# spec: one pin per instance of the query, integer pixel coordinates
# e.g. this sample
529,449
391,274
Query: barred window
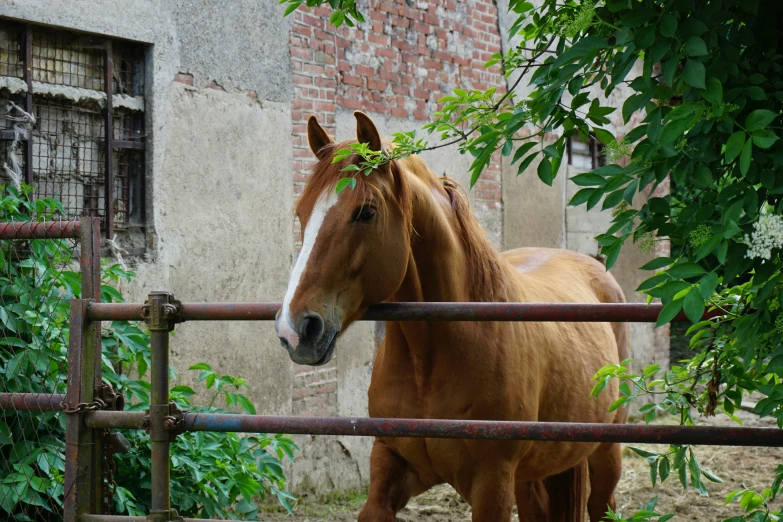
72,121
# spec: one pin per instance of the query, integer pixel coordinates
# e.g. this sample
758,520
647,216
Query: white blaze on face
321,208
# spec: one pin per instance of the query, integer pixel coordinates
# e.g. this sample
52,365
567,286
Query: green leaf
759,119
522,150
711,476
246,405
694,74
695,46
658,262
764,139
708,284
201,366
605,136
588,179
345,183
714,92
663,468
582,196
545,173
337,18
526,163
734,145
674,130
668,25
685,270
669,312
746,156
694,306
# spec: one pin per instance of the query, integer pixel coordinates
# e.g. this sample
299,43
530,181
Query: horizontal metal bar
128,144
31,401
40,230
572,312
119,518
457,429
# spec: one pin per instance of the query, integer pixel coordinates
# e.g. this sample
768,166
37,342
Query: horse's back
563,276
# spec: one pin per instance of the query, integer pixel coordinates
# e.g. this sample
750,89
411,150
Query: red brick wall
407,55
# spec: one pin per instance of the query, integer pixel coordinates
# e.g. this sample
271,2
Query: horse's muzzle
310,341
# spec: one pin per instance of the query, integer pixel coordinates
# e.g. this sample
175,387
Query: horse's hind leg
532,501
391,485
606,468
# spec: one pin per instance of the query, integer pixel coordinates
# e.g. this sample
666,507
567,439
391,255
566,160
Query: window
86,146
585,155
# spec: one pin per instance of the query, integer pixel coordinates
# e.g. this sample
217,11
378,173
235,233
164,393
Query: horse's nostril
312,328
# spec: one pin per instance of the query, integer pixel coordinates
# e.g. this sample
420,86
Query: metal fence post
79,438
90,267
160,311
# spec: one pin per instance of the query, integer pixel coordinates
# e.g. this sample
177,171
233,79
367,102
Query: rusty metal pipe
578,312
119,518
40,230
458,429
31,401
159,406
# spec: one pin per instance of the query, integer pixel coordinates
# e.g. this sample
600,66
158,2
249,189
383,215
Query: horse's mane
488,276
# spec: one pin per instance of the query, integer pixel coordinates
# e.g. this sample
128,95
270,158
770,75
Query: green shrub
213,474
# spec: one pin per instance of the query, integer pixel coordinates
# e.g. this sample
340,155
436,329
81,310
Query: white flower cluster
768,234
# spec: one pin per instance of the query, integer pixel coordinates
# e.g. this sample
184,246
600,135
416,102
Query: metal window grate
69,157
64,58
86,149
11,63
128,125
128,70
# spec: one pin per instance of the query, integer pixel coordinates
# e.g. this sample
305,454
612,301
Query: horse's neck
438,267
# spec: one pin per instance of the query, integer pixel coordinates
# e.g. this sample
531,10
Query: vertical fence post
79,439
160,311
90,265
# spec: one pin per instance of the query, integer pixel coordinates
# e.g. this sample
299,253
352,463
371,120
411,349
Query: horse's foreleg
606,468
492,494
391,485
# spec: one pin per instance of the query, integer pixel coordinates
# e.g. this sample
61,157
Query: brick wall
407,55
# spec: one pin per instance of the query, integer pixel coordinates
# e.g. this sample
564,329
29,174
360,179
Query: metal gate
91,417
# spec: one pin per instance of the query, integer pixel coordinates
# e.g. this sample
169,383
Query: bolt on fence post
79,438
161,312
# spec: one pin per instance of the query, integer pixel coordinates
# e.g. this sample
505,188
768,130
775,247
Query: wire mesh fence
40,273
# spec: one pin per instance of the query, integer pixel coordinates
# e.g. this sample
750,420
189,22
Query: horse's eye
364,214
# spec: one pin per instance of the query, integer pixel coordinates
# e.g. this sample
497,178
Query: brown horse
403,234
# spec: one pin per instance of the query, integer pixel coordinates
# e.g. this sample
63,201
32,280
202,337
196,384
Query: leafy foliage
706,107
217,475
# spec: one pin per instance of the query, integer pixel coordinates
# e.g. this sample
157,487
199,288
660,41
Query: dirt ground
738,467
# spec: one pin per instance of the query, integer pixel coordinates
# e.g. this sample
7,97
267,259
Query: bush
214,475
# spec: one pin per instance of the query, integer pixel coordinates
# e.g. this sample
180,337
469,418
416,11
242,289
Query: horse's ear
317,137
366,131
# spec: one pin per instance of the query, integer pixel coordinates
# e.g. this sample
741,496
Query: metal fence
43,266
90,416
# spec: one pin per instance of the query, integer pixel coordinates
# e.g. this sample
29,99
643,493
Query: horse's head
355,247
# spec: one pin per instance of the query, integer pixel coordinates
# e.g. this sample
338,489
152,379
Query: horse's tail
567,493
